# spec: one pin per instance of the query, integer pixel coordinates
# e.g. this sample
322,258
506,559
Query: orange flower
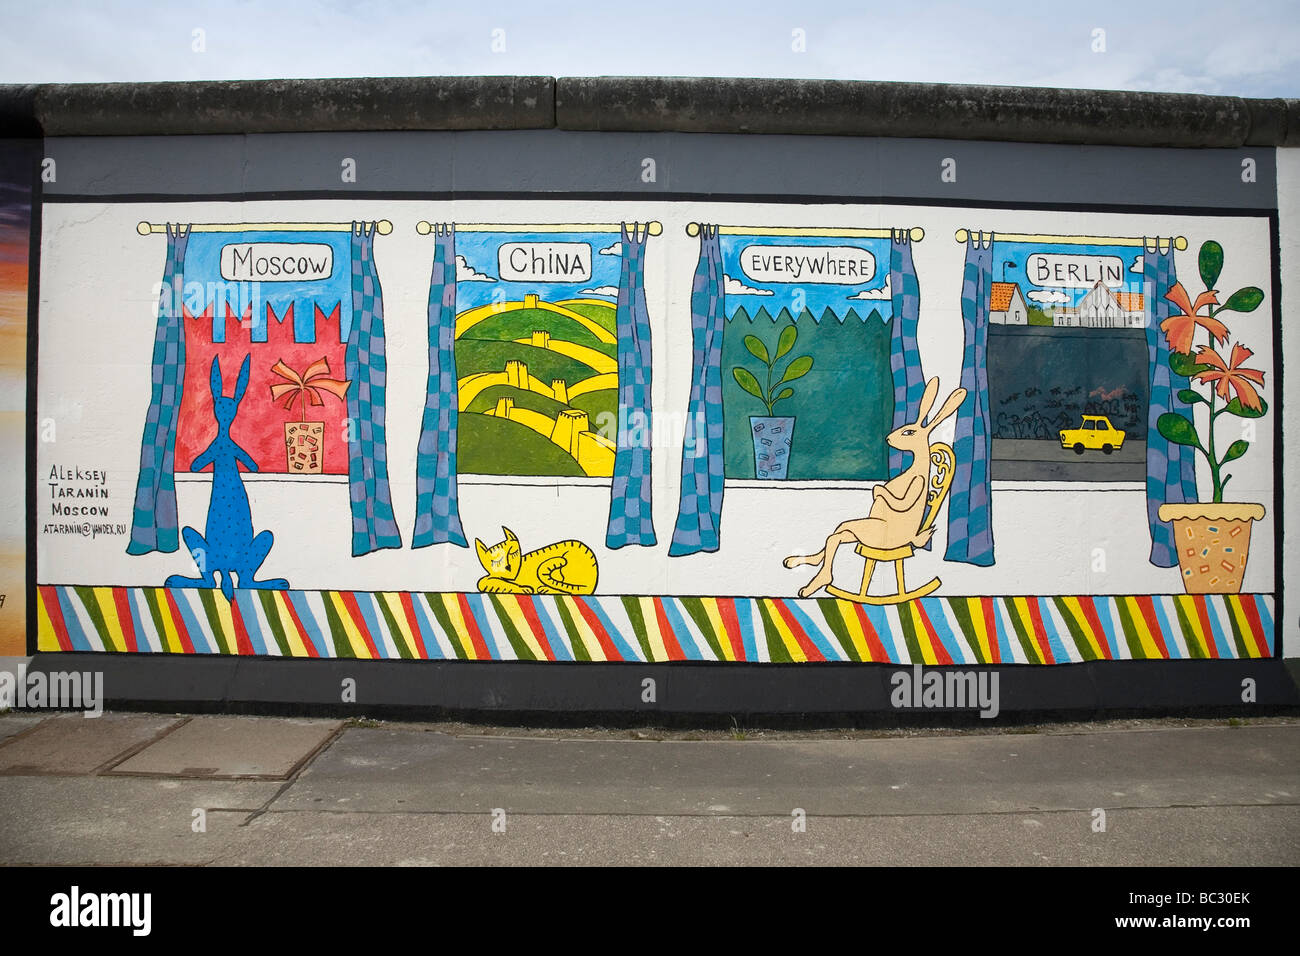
1179,329
1224,376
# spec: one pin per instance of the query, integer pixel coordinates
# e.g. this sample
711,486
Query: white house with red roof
1007,305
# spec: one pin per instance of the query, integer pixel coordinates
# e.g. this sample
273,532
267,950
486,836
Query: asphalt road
130,788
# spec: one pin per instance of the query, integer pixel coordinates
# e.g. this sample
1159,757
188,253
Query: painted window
806,380
284,299
1082,352
536,350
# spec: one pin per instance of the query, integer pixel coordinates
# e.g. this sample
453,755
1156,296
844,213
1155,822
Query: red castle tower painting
260,427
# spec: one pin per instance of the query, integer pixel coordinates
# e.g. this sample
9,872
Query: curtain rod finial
423,227
1180,243
962,235
383,227
917,233
144,228
654,227
692,229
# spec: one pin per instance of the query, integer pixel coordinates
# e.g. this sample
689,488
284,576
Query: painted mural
17,162
549,437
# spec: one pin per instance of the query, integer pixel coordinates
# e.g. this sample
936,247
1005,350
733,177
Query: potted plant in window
1212,537
772,433
304,441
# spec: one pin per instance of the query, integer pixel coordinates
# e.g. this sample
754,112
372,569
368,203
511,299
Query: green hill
597,403
521,323
473,355
523,398
497,446
606,316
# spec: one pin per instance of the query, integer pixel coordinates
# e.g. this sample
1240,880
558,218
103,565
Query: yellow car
1097,432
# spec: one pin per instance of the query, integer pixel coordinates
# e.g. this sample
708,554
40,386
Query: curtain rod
916,232
383,227
653,228
1180,242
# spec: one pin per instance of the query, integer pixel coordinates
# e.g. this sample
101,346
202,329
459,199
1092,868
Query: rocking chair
942,463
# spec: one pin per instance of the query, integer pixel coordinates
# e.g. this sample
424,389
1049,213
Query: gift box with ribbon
304,441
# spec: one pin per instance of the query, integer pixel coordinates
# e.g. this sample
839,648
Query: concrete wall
1075,187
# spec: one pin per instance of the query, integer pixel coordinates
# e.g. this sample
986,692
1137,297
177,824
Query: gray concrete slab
1227,836
385,771
12,723
233,747
74,744
101,819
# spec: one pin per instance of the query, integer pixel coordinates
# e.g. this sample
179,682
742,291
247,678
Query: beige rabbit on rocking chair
898,518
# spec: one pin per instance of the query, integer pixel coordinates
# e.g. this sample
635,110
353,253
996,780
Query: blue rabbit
228,544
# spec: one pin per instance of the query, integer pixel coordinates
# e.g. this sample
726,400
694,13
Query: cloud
1137,265
732,286
615,250
875,294
1047,297
465,272
605,290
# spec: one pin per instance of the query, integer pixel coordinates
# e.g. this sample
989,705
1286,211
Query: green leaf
797,369
785,393
757,349
786,342
1211,263
1190,396
1235,407
1177,429
1235,451
746,380
1243,300
1185,365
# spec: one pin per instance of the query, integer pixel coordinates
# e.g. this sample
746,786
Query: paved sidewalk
154,789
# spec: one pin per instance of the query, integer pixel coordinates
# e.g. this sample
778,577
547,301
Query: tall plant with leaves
796,368
1232,386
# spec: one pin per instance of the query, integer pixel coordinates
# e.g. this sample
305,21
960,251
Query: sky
774,290
1241,48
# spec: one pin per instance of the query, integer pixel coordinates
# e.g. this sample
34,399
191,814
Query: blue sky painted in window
203,265
479,276
1011,264
744,289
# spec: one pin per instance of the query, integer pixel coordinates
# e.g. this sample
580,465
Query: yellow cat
566,567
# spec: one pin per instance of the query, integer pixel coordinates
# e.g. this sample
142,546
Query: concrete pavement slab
1220,836
378,770
266,747
73,744
11,724
129,820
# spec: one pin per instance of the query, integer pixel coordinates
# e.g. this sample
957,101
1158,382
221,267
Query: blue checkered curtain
970,508
904,356
153,522
699,512
630,518
1171,468
437,511
373,525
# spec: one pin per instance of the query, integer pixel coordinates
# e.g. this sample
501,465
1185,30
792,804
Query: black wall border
686,693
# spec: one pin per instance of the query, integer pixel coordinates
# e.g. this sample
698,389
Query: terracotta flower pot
1213,542
304,444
